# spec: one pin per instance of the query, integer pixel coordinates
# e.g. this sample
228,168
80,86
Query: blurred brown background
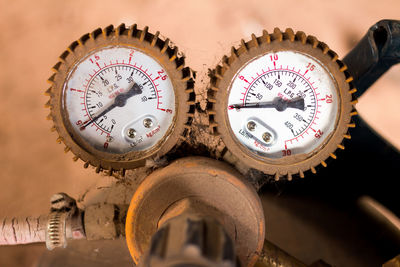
34,33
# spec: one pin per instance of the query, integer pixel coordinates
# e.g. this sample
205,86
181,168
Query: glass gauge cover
282,103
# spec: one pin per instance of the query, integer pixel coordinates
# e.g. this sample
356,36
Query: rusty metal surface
232,201
273,256
190,239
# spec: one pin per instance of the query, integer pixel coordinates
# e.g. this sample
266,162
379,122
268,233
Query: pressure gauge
120,96
282,103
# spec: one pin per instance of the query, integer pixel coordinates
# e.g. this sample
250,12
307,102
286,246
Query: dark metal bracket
377,51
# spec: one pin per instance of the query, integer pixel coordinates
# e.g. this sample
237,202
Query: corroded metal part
161,50
203,187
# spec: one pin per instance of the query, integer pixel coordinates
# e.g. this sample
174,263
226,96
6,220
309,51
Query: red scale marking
98,65
311,84
111,64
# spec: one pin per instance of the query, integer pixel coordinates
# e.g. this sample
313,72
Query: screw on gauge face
251,125
267,137
109,138
131,133
147,123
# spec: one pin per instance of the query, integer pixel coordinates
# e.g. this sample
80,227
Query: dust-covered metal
190,240
120,96
282,103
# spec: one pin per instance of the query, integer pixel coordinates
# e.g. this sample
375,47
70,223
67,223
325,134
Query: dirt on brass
34,33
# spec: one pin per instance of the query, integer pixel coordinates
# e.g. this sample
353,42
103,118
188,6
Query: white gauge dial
282,104
119,100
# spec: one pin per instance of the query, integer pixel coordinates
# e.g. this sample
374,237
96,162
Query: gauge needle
278,103
119,101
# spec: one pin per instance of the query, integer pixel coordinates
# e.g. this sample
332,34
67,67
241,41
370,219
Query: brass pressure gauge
120,96
282,103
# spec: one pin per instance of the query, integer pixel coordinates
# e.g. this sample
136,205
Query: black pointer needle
278,103
119,101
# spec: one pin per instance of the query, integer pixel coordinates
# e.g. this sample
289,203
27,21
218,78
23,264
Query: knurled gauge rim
161,50
220,81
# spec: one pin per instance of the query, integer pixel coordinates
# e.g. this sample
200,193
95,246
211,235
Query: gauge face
282,104
118,100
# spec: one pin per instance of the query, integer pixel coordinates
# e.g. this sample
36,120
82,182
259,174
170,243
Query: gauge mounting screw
147,123
267,137
251,125
131,133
